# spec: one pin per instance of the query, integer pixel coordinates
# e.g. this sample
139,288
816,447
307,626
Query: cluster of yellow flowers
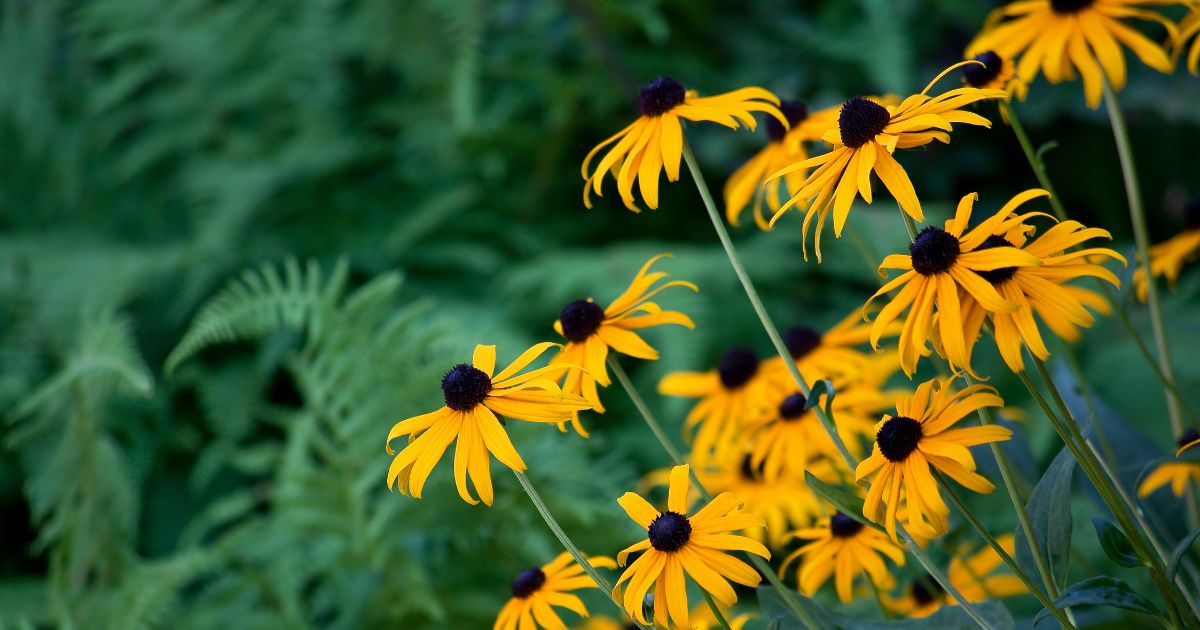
757,431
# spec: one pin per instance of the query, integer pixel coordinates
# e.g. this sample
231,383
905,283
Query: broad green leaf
1115,544
1180,551
1101,590
1050,515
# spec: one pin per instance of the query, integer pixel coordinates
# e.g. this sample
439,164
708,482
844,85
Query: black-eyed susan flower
786,438
975,578
591,331
993,72
474,398
654,142
943,264
784,146
842,548
1177,472
1064,39
864,139
1042,291
730,395
784,502
678,546
916,440
1168,258
702,618
1189,28
832,355
538,590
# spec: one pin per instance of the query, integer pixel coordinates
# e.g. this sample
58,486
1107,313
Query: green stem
1141,236
1110,455
1039,168
1046,600
765,569
715,610
566,540
940,577
752,294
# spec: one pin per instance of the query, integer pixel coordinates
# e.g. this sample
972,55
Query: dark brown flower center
465,386
1187,437
660,96
737,367
898,437
934,251
979,76
861,120
801,340
669,531
749,471
1191,215
580,319
1003,274
1070,6
842,526
792,407
793,111
926,591
528,582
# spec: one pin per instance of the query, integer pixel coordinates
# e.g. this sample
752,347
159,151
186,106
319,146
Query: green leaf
1179,552
1050,515
994,614
1101,590
1115,544
823,386
839,497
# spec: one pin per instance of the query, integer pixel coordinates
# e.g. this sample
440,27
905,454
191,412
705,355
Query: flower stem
765,569
1040,594
752,294
715,610
1141,236
1035,163
826,422
566,540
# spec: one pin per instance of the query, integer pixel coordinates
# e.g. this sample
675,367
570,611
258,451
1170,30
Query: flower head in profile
864,139
784,502
919,439
591,331
679,546
475,395
1044,292
654,142
1065,39
943,266
1178,472
1189,28
1168,258
729,394
785,145
537,590
993,72
842,548
973,576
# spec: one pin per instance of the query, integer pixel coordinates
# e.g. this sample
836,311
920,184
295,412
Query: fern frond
262,301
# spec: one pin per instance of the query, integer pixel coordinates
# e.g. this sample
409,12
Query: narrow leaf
839,497
1179,552
1115,544
1101,590
1049,510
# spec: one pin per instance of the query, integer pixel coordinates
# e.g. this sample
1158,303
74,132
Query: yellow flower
787,437
591,331
994,72
702,618
474,397
1167,258
1188,28
832,355
843,548
536,590
917,438
864,139
785,146
678,546
941,262
654,142
972,578
1064,37
784,502
729,396
1042,291
1177,473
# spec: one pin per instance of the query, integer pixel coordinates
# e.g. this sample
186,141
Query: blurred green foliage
378,185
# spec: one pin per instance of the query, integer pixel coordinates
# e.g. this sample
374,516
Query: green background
150,152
